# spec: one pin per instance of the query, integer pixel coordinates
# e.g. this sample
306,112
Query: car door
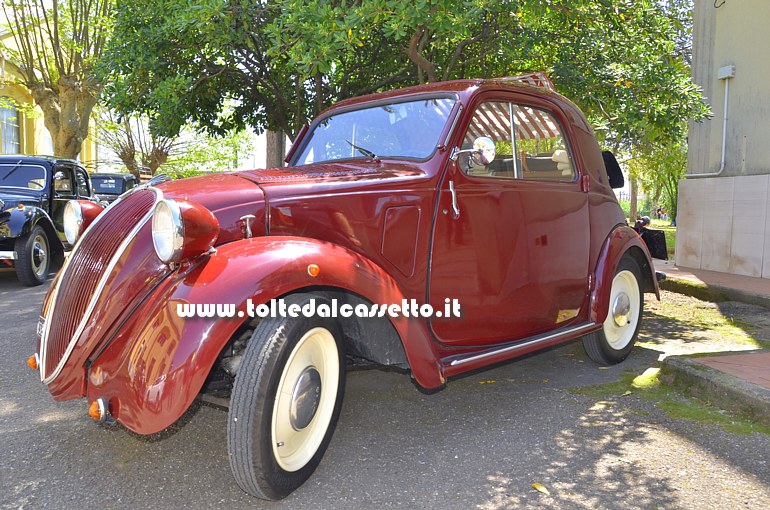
511,235
64,188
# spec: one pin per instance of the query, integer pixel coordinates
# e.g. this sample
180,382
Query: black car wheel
613,343
285,402
33,258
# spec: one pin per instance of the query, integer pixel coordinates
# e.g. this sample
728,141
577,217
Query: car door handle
455,207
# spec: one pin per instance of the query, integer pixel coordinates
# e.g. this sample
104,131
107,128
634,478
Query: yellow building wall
32,130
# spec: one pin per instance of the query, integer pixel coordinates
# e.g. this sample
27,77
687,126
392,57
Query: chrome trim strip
516,347
7,255
97,292
454,125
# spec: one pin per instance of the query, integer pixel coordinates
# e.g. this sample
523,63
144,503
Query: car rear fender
156,365
622,241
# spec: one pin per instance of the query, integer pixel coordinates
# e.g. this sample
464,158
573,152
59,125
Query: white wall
724,221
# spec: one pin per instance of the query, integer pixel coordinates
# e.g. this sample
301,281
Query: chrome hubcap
39,254
621,309
305,398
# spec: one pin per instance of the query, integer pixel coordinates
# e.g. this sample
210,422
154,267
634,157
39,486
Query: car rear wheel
613,343
285,402
33,258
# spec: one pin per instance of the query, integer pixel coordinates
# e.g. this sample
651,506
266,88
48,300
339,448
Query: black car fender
22,220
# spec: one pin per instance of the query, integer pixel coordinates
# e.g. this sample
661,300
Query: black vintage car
108,187
33,193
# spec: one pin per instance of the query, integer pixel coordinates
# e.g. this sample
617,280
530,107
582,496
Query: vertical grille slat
85,270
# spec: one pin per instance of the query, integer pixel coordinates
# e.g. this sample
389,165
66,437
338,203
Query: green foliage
659,169
225,64
202,154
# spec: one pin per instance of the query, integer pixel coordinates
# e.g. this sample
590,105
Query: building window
9,129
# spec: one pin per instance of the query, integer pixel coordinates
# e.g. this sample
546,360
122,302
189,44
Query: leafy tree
131,141
281,62
56,46
129,138
203,154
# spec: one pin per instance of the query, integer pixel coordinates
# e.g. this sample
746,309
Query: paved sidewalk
734,287
737,382
753,367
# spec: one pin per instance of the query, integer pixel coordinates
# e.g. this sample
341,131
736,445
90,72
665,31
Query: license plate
40,327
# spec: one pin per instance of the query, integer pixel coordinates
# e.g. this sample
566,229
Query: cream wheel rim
305,399
620,324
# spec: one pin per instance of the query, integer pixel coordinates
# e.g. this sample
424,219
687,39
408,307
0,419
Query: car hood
361,170
228,196
11,197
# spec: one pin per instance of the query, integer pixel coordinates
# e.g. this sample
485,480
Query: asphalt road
480,443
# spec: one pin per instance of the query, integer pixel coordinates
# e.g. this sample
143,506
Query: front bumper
7,255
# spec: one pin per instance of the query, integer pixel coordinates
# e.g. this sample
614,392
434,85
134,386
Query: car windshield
18,175
397,130
107,184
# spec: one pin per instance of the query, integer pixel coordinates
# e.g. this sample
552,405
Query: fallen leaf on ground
539,487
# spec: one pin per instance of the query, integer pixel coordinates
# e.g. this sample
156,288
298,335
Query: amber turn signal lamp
32,362
95,411
313,270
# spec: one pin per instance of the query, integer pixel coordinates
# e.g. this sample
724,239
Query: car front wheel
33,258
613,343
285,402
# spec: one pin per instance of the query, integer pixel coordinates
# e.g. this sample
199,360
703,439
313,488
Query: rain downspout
724,73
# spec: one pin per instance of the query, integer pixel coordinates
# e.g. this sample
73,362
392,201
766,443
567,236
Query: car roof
34,159
460,87
121,175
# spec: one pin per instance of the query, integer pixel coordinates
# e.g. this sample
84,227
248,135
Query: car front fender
21,221
621,241
151,371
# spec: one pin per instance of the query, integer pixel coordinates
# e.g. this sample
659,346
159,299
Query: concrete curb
722,390
713,293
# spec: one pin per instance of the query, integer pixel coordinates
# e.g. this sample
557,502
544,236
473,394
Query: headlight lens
182,230
73,221
167,231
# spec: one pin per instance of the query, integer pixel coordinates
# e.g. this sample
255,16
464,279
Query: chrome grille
86,270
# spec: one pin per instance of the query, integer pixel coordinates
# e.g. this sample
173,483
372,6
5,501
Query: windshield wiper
365,152
12,170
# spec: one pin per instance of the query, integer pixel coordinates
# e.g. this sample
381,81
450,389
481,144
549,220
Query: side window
82,183
529,143
63,185
542,146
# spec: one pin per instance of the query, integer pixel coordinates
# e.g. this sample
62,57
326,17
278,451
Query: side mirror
482,153
485,150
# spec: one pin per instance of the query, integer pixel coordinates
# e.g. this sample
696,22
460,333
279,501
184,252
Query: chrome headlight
73,221
167,231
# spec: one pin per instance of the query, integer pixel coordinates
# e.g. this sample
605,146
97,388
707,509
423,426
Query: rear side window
82,183
529,142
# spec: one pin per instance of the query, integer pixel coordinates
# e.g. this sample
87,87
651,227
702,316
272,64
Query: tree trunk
276,149
65,114
634,190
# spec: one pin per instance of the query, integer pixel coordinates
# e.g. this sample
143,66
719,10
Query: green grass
708,321
648,386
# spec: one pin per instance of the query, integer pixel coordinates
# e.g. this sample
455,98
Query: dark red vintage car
487,197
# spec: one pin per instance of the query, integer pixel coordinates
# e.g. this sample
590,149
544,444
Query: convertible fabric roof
493,119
